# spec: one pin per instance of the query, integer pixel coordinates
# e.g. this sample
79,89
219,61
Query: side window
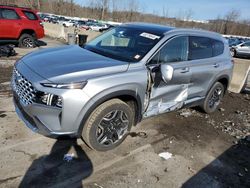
175,50
30,15
247,44
200,48
218,47
9,14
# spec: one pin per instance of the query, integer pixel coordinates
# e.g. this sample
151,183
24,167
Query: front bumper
29,115
48,120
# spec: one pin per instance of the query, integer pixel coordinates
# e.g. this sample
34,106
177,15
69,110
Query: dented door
168,93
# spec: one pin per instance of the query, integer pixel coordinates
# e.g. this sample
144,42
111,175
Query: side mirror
242,45
167,72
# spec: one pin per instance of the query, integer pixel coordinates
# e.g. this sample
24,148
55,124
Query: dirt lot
207,151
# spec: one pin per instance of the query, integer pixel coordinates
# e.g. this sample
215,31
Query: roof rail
15,6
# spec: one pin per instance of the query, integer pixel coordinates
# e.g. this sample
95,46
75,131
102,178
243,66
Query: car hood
71,64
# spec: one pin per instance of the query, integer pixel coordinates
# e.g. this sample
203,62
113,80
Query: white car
97,27
67,23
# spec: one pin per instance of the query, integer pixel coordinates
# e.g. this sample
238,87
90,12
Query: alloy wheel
112,127
28,43
214,100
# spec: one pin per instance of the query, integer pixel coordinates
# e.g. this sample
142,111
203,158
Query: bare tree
133,7
229,18
104,4
164,12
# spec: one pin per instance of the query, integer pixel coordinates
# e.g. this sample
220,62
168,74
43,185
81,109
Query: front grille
23,88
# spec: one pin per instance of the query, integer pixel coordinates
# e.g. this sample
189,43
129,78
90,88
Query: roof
162,29
149,27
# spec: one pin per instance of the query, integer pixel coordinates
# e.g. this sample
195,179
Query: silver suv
131,72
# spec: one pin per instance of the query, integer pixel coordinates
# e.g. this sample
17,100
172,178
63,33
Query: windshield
124,43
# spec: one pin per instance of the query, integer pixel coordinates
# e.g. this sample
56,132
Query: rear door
10,23
168,96
205,64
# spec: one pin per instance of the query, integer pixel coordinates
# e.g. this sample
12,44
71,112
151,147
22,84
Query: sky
200,9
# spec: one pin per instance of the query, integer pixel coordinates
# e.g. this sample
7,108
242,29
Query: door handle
216,65
184,70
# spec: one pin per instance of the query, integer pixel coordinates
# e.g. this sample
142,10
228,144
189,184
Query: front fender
106,95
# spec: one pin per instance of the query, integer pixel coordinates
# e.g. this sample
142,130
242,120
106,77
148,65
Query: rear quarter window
30,15
218,47
200,48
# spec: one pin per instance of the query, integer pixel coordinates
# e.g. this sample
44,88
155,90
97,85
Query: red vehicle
20,25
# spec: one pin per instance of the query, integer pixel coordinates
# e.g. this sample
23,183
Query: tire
213,98
108,125
26,41
233,52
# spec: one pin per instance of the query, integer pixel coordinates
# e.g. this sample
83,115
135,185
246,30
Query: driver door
170,77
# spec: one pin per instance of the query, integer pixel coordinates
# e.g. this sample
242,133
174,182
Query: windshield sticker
149,36
137,56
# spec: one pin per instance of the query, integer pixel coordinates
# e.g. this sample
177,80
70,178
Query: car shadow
231,169
54,170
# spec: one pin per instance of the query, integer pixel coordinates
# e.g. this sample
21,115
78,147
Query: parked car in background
82,24
67,23
130,72
242,49
109,26
51,19
20,25
234,42
97,26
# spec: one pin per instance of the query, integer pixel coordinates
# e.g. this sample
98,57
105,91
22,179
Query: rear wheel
108,125
213,98
26,41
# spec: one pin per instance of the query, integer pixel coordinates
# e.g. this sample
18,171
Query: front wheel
213,98
108,125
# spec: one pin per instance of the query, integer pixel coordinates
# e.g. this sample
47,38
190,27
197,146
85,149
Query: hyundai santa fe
131,72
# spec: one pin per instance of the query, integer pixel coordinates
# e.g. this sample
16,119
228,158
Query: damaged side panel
168,89
161,103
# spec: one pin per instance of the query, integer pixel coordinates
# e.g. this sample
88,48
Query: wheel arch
124,95
28,31
223,79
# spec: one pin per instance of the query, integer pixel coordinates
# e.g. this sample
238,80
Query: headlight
78,85
49,99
